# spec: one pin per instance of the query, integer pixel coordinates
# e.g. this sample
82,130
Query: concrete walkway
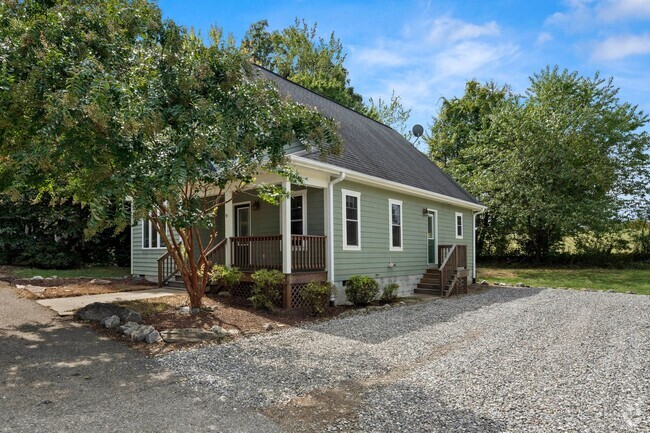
67,306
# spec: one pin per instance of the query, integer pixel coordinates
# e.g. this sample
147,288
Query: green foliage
316,63
317,295
111,102
229,277
267,289
50,234
361,290
389,293
567,158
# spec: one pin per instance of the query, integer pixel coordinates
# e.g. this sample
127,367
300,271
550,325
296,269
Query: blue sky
425,50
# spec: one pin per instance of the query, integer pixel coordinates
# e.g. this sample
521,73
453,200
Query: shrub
317,294
228,277
361,290
266,289
389,293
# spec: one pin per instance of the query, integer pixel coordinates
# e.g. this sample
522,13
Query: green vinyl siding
375,255
144,260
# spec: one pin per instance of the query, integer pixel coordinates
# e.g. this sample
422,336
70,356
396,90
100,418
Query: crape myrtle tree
566,158
104,101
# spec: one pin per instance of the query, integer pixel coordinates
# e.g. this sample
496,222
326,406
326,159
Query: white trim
330,225
391,202
383,183
303,193
462,225
151,231
435,236
474,243
285,216
236,216
344,240
132,240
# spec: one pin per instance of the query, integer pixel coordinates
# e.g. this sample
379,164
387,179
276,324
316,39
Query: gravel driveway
500,360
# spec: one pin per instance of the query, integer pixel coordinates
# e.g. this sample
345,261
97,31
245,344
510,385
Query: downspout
474,214
330,225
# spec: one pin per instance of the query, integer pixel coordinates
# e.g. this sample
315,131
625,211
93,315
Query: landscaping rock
34,289
110,322
142,332
184,310
96,311
154,337
219,331
37,278
187,335
100,282
519,285
224,294
267,327
484,283
195,310
630,292
610,291
210,308
129,328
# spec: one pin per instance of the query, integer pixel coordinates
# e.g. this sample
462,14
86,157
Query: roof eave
382,183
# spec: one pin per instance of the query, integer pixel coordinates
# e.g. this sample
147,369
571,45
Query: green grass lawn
619,280
93,272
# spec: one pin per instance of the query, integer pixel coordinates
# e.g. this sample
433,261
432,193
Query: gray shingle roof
370,147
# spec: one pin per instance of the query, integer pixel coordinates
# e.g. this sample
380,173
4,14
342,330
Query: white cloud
379,57
468,58
619,47
544,37
453,30
430,59
615,10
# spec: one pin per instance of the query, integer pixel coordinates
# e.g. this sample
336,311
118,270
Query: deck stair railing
167,268
455,259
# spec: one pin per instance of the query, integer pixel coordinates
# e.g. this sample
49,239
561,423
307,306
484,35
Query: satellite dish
418,130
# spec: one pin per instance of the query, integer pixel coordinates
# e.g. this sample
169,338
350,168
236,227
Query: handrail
167,268
456,258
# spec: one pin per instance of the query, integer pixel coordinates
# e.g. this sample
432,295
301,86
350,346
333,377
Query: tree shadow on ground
59,374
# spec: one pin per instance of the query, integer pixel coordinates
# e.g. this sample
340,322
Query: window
395,228
459,225
299,213
351,220
150,238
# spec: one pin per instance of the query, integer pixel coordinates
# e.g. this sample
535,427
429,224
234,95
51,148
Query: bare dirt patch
67,288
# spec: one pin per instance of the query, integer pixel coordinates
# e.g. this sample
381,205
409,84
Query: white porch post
229,225
285,218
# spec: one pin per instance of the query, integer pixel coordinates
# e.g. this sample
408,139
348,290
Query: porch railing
265,252
256,252
307,253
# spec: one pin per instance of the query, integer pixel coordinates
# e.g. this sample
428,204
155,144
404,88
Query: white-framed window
395,225
459,225
351,219
299,212
150,237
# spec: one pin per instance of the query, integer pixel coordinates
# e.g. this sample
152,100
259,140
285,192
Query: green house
380,208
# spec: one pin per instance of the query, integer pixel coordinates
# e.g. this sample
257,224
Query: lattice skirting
242,290
245,290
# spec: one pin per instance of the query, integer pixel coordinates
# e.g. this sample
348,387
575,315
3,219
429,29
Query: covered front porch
253,234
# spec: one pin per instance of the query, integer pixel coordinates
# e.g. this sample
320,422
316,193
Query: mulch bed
230,313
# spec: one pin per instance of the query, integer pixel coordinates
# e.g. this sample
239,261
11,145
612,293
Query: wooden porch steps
430,283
